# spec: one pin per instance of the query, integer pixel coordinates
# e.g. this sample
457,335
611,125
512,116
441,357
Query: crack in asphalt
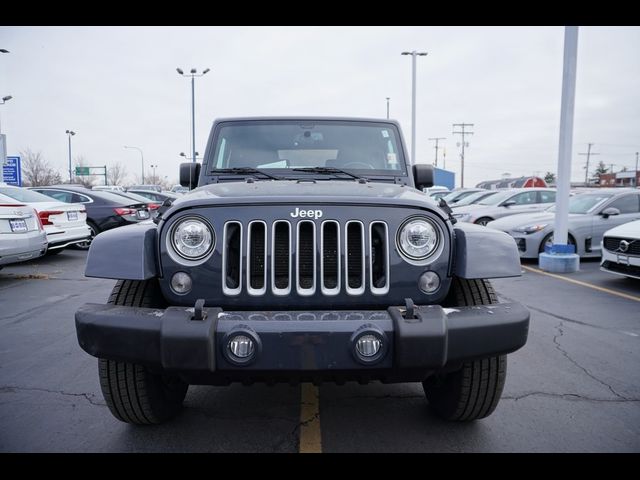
587,372
87,396
25,314
292,436
555,315
569,396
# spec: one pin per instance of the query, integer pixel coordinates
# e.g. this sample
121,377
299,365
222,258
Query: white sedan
621,250
65,223
21,234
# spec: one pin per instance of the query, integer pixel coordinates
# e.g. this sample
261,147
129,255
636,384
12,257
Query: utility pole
462,132
636,182
388,98
437,139
588,154
444,158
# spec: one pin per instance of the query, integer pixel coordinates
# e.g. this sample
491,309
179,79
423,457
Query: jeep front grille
305,257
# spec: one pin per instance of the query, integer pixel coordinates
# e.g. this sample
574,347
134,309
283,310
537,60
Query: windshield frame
594,207
402,175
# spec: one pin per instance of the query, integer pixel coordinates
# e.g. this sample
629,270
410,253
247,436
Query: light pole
193,74
141,158
413,54
4,100
70,133
154,173
388,98
182,154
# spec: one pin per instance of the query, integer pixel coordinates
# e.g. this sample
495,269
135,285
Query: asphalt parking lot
575,386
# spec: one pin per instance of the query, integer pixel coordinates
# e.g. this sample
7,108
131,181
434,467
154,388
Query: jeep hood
307,191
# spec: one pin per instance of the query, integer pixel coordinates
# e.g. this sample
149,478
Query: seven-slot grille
613,245
305,257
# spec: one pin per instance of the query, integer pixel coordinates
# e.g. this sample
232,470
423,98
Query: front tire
132,392
473,391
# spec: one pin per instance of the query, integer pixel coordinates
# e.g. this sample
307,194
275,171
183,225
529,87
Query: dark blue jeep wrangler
307,253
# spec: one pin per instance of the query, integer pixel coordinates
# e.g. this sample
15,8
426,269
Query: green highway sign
82,171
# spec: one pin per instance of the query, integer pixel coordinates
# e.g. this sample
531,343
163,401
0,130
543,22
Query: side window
58,195
77,198
627,204
526,198
547,197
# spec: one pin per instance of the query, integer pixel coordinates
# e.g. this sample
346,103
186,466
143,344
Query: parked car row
48,219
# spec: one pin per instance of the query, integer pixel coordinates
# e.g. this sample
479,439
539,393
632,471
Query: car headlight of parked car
418,238
528,229
192,238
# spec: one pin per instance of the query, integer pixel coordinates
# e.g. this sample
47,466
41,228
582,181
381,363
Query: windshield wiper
244,171
328,170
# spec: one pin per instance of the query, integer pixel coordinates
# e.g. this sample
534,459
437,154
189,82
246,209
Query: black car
105,210
153,195
152,205
308,253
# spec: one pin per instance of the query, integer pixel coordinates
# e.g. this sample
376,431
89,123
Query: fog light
241,347
429,282
181,283
368,345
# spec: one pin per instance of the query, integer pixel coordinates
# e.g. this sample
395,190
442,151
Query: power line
462,133
437,139
588,154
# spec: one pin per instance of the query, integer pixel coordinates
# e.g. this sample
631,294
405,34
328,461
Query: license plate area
142,214
18,225
72,216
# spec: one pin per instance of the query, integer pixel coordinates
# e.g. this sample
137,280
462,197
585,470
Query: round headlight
418,238
192,239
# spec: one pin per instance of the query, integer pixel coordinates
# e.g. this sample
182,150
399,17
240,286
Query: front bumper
301,342
620,263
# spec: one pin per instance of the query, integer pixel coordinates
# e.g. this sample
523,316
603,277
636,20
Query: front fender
124,253
483,252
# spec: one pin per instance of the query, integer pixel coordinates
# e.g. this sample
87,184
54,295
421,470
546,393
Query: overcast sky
118,86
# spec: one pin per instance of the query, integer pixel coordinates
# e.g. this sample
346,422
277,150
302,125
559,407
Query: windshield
584,203
24,195
497,198
473,198
366,148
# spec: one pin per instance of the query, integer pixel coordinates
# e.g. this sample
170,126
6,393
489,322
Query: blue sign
12,172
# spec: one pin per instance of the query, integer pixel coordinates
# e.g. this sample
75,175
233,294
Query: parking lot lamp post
70,133
413,54
193,74
141,158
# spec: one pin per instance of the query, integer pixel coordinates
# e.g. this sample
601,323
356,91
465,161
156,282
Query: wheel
133,393
473,391
483,221
548,240
94,231
55,251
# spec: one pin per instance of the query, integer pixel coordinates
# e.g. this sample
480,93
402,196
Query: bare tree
36,171
116,173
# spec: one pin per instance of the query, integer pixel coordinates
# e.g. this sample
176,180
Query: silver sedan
506,203
590,215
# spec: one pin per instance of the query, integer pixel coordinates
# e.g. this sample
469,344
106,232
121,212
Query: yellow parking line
310,438
584,284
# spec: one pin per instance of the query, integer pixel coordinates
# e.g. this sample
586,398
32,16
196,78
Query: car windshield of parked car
362,147
473,198
497,198
585,202
24,195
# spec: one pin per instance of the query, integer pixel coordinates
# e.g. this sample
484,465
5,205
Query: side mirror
423,176
607,212
509,203
189,173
